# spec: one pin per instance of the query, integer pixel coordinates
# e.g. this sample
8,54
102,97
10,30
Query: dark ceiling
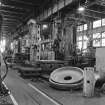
16,12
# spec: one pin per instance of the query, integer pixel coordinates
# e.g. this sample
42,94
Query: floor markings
13,99
11,96
45,95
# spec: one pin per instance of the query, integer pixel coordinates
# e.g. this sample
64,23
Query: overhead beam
13,7
7,27
17,18
75,20
89,16
97,13
19,5
100,2
90,4
11,19
5,22
94,14
12,16
26,3
57,6
78,18
8,13
9,24
13,12
6,30
13,22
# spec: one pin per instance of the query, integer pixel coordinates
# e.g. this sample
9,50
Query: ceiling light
45,26
81,9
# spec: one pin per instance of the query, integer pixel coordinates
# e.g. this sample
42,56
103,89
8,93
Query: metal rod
95,11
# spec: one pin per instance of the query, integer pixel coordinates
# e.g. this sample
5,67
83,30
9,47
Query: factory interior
52,52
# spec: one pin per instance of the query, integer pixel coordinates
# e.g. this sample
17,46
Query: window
85,26
97,24
82,41
85,37
79,38
84,44
103,35
96,43
103,42
82,27
79,41
103,39
78,29
103,22
97,35
79,44
97,39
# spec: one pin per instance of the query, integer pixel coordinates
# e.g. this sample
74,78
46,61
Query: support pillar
89,34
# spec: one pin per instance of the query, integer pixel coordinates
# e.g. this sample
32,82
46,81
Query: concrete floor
23,93
27,92
70,97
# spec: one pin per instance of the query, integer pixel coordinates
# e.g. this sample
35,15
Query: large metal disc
67,77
